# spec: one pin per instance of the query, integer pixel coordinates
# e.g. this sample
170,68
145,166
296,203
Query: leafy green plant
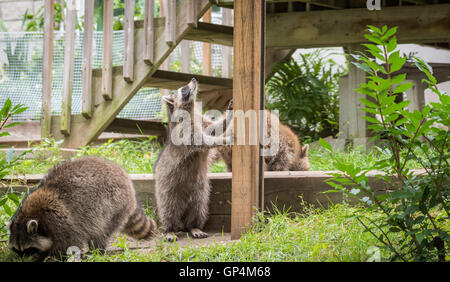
415,210
10,158
306,95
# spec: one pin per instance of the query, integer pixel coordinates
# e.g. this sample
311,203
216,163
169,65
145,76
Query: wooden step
211,33
173,80
146,127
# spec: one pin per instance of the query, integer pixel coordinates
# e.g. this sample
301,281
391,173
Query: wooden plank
216,99
275,56
247,83
108,16
191,19
149,37
211,33
69,56
171,18
128,27
105,112
333,4
207,48
47,66
128,126
88,35
341,27
226,51
174,80
185,56
282,189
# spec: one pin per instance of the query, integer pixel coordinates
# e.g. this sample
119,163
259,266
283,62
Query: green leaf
392,45
14,198
9,155
403,87
398,78
371,119
363,67
7,210
374,29
325,145
368,103
389,33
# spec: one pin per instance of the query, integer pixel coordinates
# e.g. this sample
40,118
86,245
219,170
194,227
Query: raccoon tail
139,226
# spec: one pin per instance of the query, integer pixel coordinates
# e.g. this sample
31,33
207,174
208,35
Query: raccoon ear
8,224
305,151
168,99
32,226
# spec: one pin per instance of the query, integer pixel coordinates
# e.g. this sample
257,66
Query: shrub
414,225
306,95
9,159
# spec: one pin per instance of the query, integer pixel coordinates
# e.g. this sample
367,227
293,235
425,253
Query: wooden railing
105,88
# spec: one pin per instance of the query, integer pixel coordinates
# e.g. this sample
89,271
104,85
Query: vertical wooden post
88,36
166,64
171,21
248,87
226,51
207,48
185,56
191,18
47,65
128,28
149,33
69,56
108,15
351,124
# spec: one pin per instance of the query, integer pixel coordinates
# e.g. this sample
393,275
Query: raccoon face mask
28,239
184,97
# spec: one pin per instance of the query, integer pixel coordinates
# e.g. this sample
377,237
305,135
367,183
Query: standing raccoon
181,184
81,203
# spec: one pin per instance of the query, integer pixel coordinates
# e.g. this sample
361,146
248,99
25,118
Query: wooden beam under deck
173,80
416,24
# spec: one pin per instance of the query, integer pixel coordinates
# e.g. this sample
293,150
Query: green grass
139,156
315,235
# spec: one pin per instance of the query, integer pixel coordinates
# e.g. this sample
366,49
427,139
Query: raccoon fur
181,184
291,154
79,203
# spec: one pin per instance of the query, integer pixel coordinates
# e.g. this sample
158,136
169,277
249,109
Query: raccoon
181,184
80,203
290,156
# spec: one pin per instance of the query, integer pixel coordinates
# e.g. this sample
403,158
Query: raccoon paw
170,237
198,234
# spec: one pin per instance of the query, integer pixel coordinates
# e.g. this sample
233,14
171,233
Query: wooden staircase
148,44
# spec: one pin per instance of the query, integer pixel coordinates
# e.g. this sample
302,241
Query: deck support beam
248,83
352,126
47,65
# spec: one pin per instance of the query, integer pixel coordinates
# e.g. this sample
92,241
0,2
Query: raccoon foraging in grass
80,203
291,155
181,183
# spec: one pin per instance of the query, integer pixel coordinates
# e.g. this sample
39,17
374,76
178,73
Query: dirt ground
182,241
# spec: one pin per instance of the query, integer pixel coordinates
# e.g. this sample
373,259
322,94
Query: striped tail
139,226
